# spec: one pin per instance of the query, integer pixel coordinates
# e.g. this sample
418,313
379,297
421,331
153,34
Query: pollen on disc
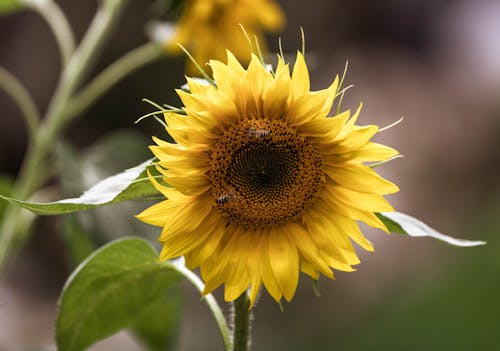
263,173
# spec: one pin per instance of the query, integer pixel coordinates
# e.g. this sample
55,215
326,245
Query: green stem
13,233
82,61
132,61
14,88
59,25
179,266
241,323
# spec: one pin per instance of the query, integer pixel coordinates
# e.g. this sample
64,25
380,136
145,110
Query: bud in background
208,27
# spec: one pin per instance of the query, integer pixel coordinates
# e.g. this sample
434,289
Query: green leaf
108,291
8,6
393,227
78,243
401,223
130,184
158,326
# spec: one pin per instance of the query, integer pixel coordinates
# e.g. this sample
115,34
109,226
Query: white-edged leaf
130,184
108,189
404,224
80,170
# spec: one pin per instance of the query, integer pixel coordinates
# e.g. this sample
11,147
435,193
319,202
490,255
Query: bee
258,133
224,199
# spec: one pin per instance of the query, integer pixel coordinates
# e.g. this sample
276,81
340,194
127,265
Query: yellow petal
180,164
189,184
253,266
321,127
362,201
238,277
361,178
227,78
352,212
337,264
281,65
284,261
268,277
257,80
191,138
354,140
169,193
307,107
332,89
159,213
166,150
213,270
196,87
183,243
312,105
369,152
352,229
300,77
205,250
329,237
234,64
217,263
195,102
175,120
275,100
189,215
237,281
309,268
348,127
307,248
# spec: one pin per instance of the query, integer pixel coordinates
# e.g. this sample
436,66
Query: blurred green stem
133,60
82,61
13,233
241,323
179,266
59,25
14,88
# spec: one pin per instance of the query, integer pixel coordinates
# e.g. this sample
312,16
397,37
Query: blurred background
437,63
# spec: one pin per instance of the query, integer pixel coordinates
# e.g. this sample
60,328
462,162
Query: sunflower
207,27
263,183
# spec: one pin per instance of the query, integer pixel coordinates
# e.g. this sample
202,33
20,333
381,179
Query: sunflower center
263,172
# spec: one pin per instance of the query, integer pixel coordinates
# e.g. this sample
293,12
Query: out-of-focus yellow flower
208,27
263,183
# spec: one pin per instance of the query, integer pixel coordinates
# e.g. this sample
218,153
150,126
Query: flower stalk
59,25
179,266
132,61
241,323
14,88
